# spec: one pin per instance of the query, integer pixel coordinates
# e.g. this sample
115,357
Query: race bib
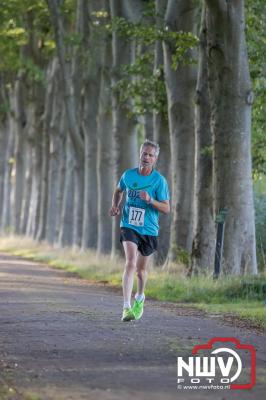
136,216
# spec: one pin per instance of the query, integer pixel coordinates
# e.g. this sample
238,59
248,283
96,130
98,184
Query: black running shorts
146,244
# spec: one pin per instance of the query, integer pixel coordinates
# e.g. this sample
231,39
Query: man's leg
142,273
130,249
142,264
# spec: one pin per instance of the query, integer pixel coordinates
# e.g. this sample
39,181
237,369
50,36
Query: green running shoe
127,315
138,308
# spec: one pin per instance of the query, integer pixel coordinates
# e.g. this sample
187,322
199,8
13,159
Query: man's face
148,157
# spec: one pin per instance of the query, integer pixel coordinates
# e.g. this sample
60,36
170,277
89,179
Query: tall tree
204,237
124,132
56,129
4,139
8,137
105,162
231,98
20,117
93,51
180,86
161,134
77,143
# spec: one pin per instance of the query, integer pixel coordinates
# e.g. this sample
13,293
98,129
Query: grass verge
237,296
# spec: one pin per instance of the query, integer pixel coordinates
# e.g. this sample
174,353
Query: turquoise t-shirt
137,214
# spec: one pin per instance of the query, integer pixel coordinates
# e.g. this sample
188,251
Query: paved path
61,338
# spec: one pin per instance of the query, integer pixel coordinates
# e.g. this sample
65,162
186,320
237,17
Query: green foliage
146,86
256,27
205,290
181,42
140,81
183,256
33,71
11,38
4,107
260,221
24,30
207,151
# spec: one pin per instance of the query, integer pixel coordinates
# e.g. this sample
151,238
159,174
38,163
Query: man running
147,194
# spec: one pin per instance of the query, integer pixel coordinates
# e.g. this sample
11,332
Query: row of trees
82,82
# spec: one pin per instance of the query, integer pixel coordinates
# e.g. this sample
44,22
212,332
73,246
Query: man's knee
130,264
141,271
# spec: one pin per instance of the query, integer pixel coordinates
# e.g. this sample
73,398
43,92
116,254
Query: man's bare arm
162,206
116,200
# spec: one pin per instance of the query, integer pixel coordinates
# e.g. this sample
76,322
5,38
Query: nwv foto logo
219,368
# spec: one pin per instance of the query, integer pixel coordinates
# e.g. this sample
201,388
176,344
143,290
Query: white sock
127,304
140,297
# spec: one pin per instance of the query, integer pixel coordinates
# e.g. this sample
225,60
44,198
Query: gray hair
152,144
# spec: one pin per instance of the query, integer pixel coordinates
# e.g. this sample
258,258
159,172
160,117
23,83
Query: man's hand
116,200
145,196
162,206
114,211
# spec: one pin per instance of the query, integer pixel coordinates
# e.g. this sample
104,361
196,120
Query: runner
146,195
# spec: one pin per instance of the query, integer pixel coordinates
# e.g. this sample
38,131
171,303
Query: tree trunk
105,167
147,121
4,132
161,135
8,167
5,136
180,85
68,89
78,204
231,98
52,116
59,173
20,135
89,237
74,128
48,108
34,210
124,132
28,187
66,223
89,125
80,72
57,169
204,239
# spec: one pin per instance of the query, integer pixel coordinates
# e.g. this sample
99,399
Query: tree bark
35,199
180,86
79,77
105,164
9,165
66,222
231,98
204,237
59,172
161,135
90,129
124,133
68,89
28,184
48,109
57,169
20,137
4,132
74,128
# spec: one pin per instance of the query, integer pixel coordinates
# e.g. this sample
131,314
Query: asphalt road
62,338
